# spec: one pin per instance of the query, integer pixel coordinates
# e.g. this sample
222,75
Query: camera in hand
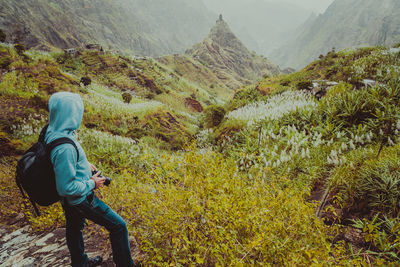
107,181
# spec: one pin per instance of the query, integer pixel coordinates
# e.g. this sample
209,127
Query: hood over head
66,112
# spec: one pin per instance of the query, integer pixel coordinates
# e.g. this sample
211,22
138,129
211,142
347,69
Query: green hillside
346,23
295,170
142,27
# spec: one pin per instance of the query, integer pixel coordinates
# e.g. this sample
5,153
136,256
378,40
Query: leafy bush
5,61
213,116
205,213
383,235
285,82
381,187
350,108
150,95
304,85
127,97
369,184
3,36
371,109
20,48
244,97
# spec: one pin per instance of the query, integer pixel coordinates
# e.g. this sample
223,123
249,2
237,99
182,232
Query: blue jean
98,212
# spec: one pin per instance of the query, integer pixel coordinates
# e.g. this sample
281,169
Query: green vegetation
127,97
275,176
343,147
213,116
304,85
3,36
20,48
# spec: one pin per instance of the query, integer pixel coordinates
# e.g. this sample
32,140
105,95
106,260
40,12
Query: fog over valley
266,25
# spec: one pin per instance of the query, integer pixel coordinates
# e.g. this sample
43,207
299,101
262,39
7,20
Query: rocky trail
24,248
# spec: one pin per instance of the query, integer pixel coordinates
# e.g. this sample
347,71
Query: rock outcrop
229,58
24,248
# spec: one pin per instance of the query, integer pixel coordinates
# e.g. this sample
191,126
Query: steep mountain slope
197,73
144,27
346,23
261,25
229,59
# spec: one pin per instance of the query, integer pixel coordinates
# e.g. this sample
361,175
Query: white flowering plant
274,108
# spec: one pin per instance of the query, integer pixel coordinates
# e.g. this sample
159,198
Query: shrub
203,213
3,36
349,109
127,97
86,81
213,116
381,186
285,82
382,234
304,85
244,97
20,48
150,95
369,184
5,61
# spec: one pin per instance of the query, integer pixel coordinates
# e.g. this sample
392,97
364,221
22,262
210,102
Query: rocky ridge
138,26
346,23
229,58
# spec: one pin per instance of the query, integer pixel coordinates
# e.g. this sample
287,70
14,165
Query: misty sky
318,6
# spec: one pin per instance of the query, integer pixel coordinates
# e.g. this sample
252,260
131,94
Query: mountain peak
223,52
222,35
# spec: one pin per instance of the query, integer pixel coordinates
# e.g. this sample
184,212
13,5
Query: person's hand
99,181
92,167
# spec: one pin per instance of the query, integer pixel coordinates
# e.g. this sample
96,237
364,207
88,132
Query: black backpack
35,173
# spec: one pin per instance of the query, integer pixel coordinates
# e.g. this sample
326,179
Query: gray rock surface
24,248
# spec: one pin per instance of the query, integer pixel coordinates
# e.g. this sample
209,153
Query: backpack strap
43,133
61,141
57,142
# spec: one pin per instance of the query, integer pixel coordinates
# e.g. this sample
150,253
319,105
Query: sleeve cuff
92,184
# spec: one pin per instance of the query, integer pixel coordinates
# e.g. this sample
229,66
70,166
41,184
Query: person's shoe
95,261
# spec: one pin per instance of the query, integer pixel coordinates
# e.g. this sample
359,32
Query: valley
219,157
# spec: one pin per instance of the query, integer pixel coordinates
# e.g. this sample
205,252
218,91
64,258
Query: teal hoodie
72,176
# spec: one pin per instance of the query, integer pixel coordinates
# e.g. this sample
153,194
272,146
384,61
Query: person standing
75,184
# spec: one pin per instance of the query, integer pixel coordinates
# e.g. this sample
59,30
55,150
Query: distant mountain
145,27
346,23
229,59
262,25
